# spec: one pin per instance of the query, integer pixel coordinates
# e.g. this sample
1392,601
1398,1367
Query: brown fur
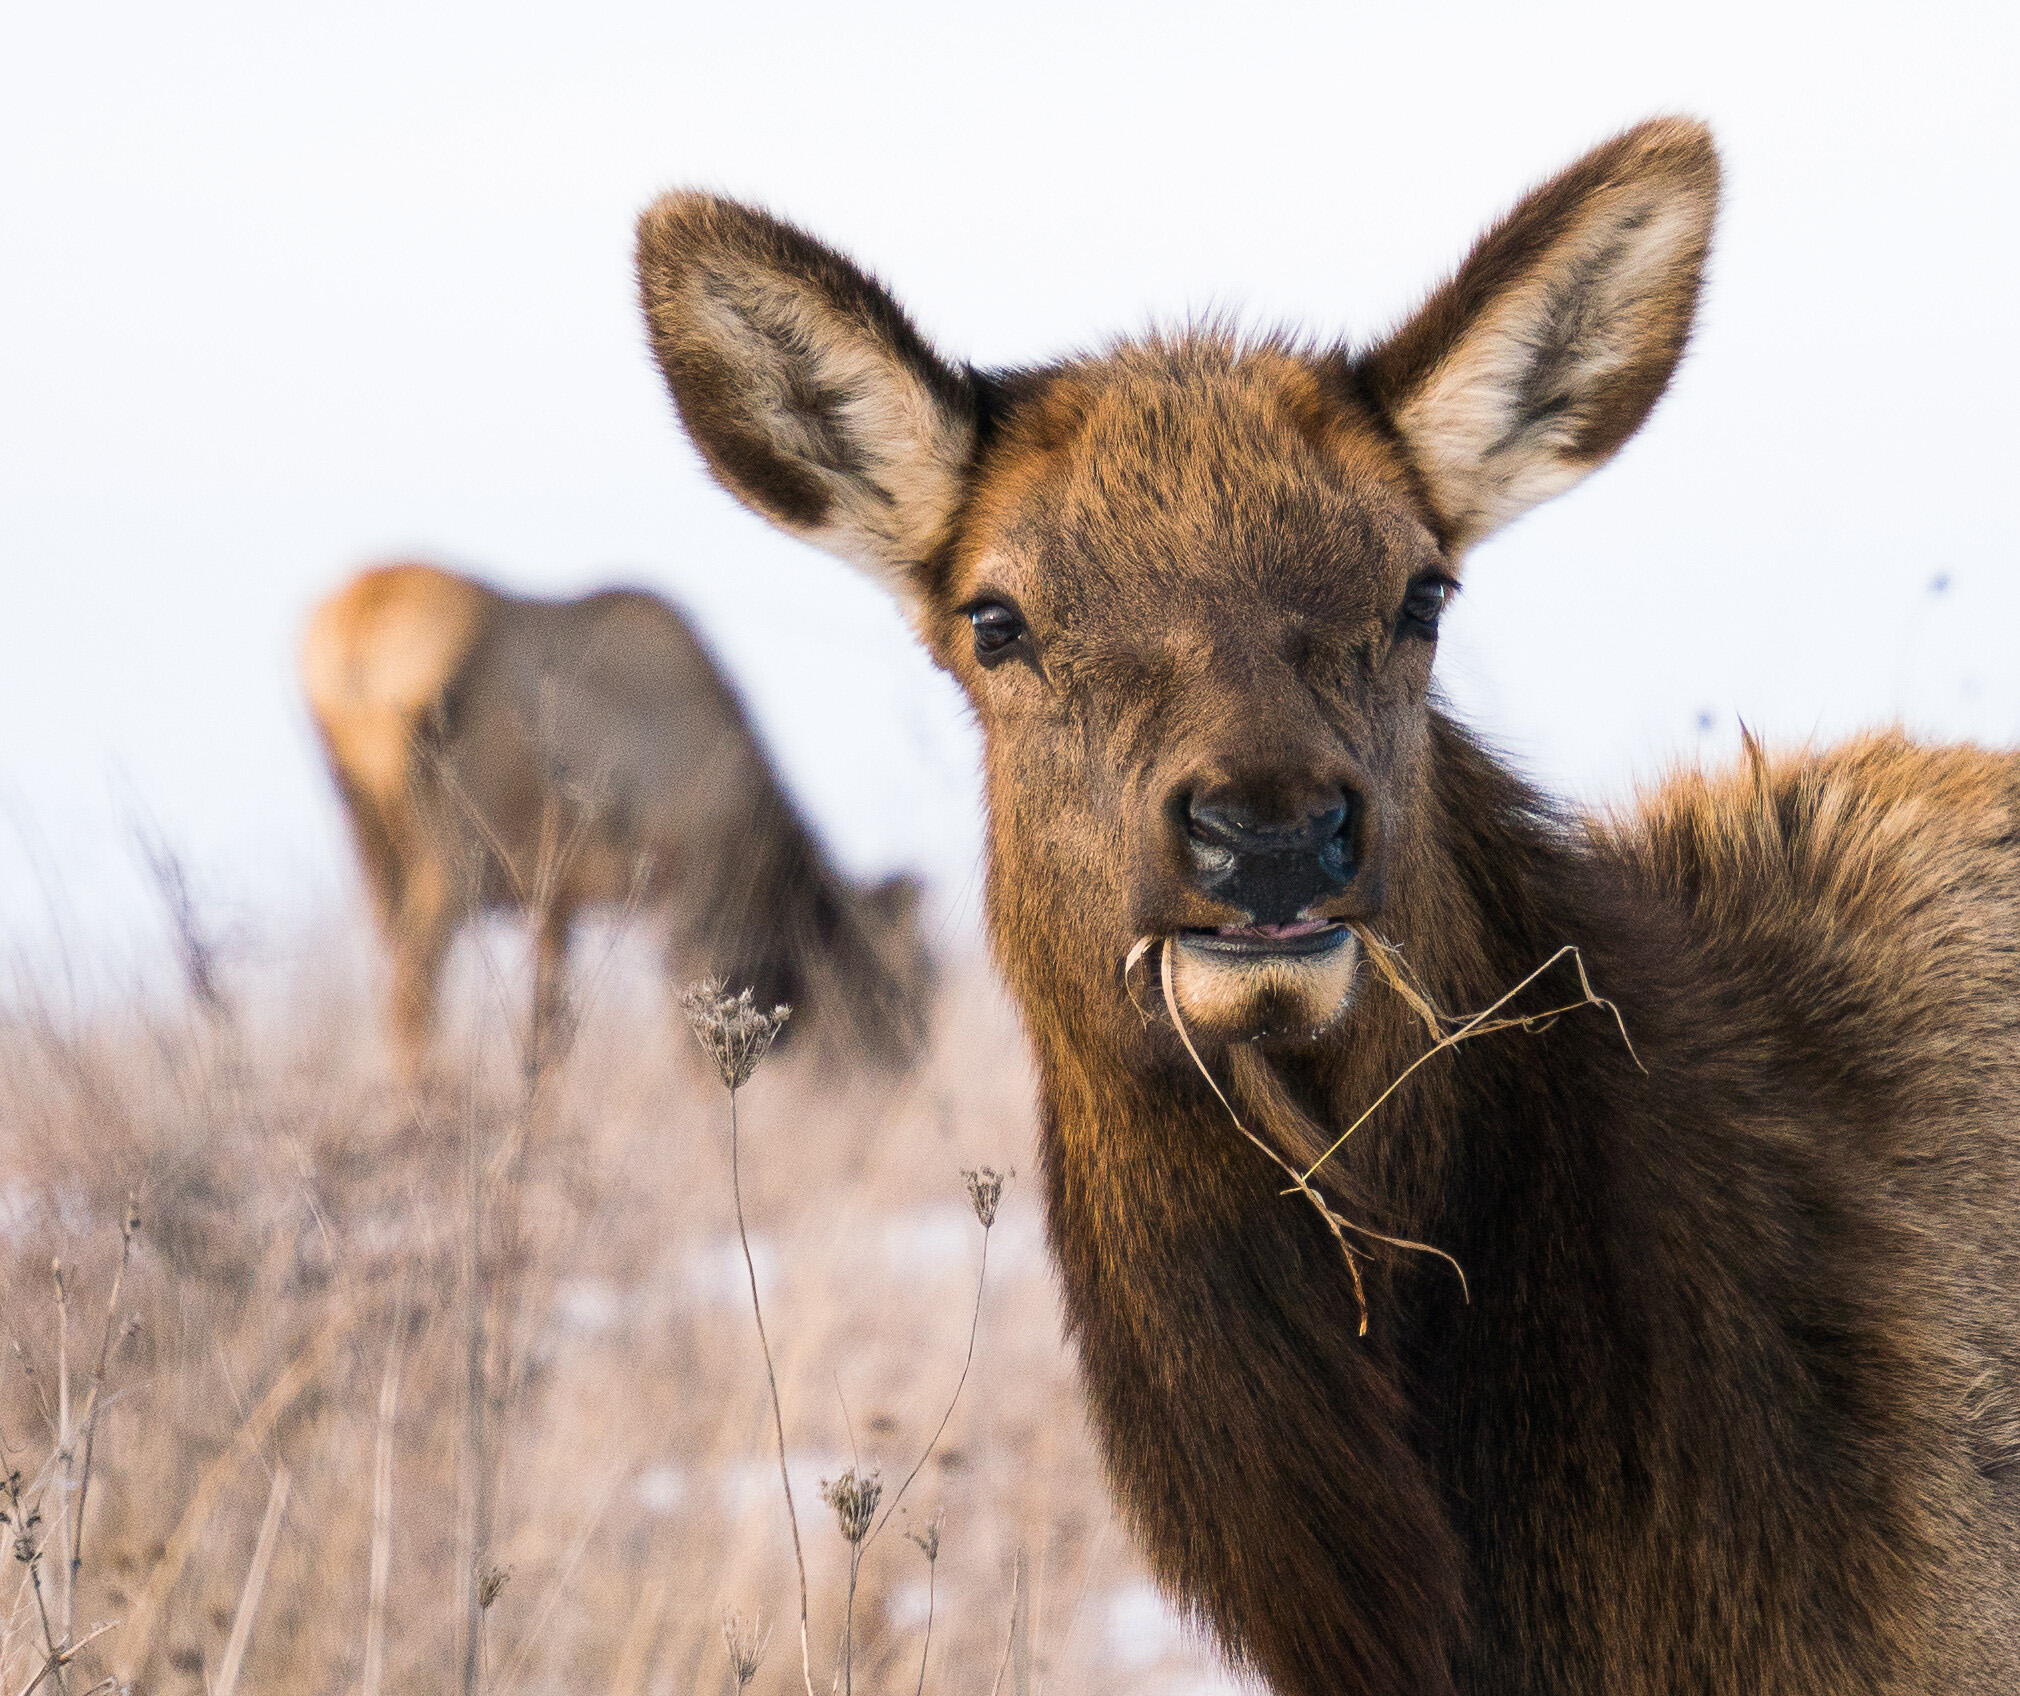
551,755
1732,1407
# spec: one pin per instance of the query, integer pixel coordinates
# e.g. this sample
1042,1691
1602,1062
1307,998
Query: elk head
1191,585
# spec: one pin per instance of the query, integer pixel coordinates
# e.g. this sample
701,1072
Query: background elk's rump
494,751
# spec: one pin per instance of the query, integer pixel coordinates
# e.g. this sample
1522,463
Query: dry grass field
278,1494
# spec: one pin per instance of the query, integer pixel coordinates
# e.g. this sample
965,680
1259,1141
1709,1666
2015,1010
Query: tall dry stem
737,1037
1016,1610
854,1498
255,1582
24,1525
129,1226
496,1258
65,1447
985,1194
382,1501
929,1545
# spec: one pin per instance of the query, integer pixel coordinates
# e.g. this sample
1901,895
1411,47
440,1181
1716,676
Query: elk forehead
1151,491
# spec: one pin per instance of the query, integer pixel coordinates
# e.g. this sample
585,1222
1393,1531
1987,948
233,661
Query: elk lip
1299,938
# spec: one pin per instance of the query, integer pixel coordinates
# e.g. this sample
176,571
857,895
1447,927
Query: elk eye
1422,605
997,630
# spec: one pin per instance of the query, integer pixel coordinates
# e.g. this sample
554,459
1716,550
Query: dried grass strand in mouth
1337,1223
1334,1222
1130,961
1448,1030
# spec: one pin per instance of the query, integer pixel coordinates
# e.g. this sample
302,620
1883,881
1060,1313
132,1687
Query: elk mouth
1300,938
1263,979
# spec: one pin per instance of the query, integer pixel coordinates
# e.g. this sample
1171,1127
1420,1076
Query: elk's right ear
804,385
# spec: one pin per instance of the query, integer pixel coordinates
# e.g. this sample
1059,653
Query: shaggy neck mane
1356,1512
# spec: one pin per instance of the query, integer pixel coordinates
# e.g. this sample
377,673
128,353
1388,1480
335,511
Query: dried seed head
985,1190
491,1584
746,1644
131,1223
928,1540
730,1029
854,1497
27,1546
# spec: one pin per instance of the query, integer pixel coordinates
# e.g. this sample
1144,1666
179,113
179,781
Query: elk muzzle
1273,855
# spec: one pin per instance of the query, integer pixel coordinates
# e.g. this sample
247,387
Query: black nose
1273,862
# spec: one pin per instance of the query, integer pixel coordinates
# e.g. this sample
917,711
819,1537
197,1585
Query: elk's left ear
804,385
1550,345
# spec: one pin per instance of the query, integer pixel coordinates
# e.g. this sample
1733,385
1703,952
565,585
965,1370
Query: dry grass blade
255,1582
569,1562
1010,1635
382,1502
250,1435
639,1636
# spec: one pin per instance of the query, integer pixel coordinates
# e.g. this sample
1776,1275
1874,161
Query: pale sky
287,290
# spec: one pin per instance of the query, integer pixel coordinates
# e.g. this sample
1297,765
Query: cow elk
1726,1401
546,756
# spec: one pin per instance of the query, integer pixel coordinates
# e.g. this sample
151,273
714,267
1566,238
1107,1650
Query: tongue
1278,933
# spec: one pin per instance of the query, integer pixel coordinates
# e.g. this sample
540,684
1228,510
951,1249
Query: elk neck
1216,1317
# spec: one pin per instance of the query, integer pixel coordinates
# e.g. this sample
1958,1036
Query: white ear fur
1550,346
809,393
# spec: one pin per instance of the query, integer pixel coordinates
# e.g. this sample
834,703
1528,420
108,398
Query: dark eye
1423,604
997,630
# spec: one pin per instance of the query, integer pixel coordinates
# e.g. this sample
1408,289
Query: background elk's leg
421,937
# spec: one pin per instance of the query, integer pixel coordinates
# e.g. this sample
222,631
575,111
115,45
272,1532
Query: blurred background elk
500,752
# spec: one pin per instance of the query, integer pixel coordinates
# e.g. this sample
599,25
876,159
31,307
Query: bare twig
929,1546
129,1226
1387,960
65,1448
54,1664
290,1384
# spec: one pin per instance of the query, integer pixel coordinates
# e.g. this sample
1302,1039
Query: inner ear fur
1551,344
810,394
